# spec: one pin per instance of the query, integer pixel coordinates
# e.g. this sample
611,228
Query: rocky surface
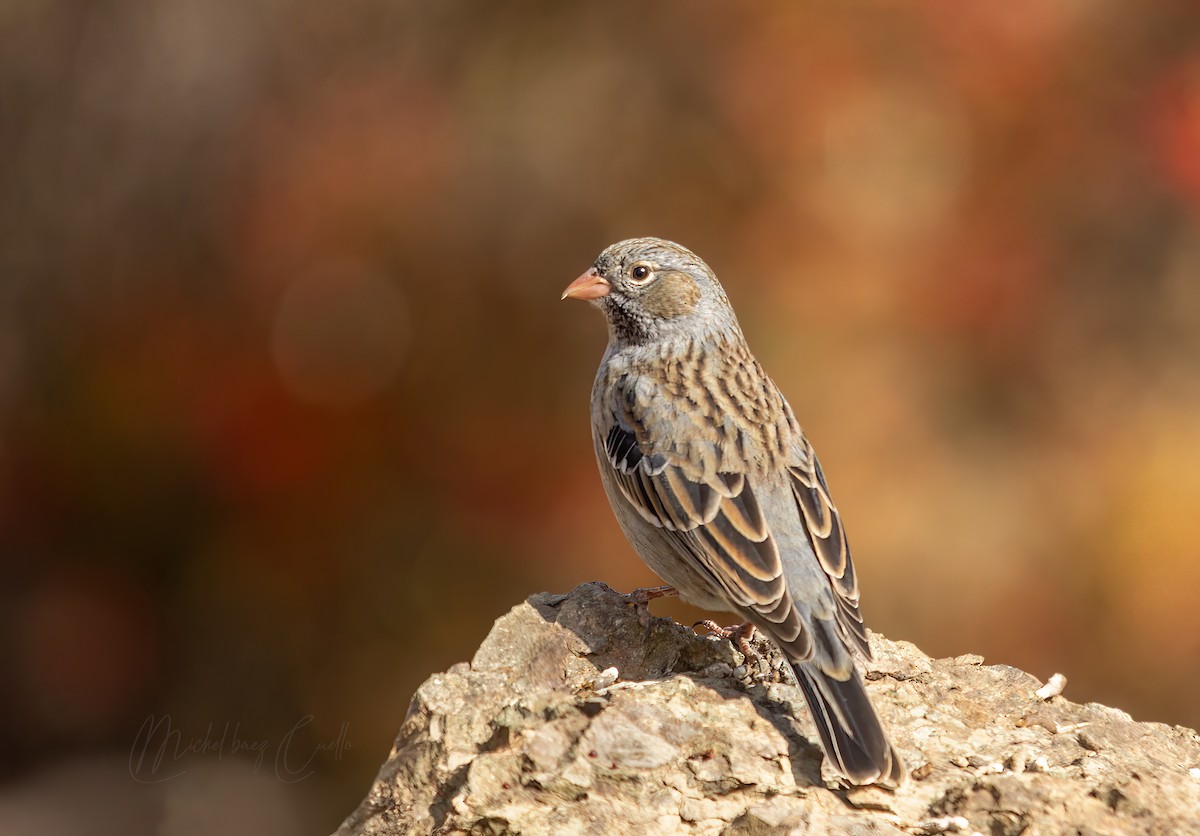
535,736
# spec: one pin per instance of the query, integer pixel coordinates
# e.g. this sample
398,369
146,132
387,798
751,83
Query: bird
718,490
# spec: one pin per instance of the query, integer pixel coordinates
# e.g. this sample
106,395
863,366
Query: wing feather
719,523
828,539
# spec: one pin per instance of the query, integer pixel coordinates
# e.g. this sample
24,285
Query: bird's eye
640,272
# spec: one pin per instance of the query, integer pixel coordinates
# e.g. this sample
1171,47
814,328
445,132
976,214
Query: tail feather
850,731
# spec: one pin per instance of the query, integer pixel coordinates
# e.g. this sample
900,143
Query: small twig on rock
943,824
1053,687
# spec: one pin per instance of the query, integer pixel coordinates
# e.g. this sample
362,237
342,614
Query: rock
523,741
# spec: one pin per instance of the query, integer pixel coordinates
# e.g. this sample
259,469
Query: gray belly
657,549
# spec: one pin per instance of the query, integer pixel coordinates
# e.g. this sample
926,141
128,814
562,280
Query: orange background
290,410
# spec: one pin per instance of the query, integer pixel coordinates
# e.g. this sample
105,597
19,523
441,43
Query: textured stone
521,741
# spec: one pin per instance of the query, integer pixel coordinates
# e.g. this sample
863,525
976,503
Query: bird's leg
741,635
641,597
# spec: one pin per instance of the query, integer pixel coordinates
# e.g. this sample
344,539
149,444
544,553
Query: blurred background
290,410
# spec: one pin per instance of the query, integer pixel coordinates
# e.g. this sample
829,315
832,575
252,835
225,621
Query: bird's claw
741,635
641,597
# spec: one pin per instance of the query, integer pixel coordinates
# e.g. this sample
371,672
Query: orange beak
591,285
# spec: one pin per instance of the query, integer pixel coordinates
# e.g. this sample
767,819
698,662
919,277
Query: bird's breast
708,407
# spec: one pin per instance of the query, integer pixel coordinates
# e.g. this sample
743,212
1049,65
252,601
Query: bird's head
652,290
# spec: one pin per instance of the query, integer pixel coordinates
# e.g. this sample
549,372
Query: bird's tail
849,728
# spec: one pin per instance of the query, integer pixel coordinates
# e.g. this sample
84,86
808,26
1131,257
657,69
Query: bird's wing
714,519
823,524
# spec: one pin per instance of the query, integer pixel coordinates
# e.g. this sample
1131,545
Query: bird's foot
641,597
741,635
